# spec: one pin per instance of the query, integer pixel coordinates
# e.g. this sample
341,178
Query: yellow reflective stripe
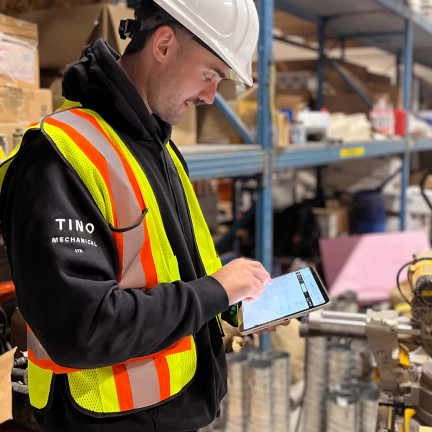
174,269
203,237
94,389
39,384
160,246
69,104
5,165
86,170
108,390
182,367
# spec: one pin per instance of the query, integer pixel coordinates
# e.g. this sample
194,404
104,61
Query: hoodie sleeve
64,263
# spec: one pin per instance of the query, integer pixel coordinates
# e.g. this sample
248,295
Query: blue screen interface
286,295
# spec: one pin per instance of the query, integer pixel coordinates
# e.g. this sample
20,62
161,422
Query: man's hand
273,328
242,279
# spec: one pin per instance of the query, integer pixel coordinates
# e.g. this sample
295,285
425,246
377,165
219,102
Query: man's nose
207,95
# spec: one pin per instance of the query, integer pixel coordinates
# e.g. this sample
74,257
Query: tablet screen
288,295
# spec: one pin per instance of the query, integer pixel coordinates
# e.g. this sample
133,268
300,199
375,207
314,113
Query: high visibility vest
124,196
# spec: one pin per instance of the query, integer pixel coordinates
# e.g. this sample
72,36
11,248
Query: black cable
398,284
5,320
414,261
422,188
3,334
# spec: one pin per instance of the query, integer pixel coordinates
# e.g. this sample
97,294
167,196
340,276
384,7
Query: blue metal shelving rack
386,24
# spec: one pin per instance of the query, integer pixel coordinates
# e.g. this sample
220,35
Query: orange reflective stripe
163,372
184,344
147,264
95,157
180,346
147,260
123,387
49,364
118,238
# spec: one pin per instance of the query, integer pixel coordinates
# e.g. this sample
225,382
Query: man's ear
164,43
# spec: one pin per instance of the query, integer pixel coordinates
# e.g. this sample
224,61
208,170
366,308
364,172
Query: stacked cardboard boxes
338,96
21,100
214,127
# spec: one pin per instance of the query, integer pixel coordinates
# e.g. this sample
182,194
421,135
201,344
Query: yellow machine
390,337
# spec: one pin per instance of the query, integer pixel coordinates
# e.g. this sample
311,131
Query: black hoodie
68,293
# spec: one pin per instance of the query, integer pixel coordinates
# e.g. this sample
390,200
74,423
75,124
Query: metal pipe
341,323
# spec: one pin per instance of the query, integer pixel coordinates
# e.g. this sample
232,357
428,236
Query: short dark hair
149,16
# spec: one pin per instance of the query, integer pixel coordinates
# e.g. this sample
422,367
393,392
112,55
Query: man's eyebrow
219,72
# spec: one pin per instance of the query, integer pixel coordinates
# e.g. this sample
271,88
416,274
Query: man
114,268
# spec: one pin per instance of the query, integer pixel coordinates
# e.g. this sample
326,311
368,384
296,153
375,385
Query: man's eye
207,77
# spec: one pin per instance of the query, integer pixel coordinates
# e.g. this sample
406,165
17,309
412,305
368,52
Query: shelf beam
313,155
223,164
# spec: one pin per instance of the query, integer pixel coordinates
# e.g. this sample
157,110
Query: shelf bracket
355,88
233,118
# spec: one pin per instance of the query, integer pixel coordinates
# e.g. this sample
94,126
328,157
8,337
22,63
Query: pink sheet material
368,263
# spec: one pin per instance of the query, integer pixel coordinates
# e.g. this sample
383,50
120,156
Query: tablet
288,296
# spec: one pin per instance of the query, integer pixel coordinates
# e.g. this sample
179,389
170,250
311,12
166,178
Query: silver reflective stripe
123,194
144,382
133,274
34,345
127,208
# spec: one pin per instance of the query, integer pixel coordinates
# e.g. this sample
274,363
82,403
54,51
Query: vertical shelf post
264,206
407,83
321,63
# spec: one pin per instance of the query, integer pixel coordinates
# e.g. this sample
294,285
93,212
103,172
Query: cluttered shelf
315,154
208,161
379,23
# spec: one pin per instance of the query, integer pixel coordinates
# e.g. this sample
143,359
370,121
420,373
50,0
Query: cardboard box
283,131
19,61
348,103
331,76
185,133
9,129
6,364
228,89
333,222
14,7
64,32
416,178
24,105
291,102
214,127
393,94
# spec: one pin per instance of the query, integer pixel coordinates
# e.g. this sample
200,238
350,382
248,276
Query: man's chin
171,119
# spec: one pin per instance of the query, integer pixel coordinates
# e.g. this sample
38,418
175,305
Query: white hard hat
228,27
